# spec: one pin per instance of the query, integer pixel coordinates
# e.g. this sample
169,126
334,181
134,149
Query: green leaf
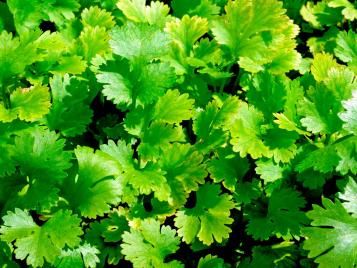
210,125
39,243
347,152
120,152
348,195
184,170
96,186
203,8
95,16
94,41
323,160
14,56
246,192
320,111
141,86
108,252
28,104
157,135
31,196
269,171
70,112
321,64
137,11
349,11
70,64
149,179
349,116
283,217
209,218
255,32
186,31
7,164
279,255
40,155
83,256
267,93
246,133
227,167
141,41
346,46
173,108
147,245
320,14
210,261
312,179
338,229
146,179
6,256
28,15
342,83
115,226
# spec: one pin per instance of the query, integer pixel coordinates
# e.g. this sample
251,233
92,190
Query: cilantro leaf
156,136
94,41
184,170
349,11
350,114
283,217
210,261
30,196
321,65
28,15
320,14
141,86
346,48
95,187
254,32
267,93
85,255
146,179
246,192
348,195
228,168
202,8
70,112
40,155
173,108
347,152
148,245
107,230
323,160
187,31
39,243
246,133
279,255
139,41
5,256
320,111
29,104
211,125
137,11
268,170
339,238
209,218
95,16
7,164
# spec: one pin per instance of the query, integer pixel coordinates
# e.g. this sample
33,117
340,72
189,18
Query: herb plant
192,133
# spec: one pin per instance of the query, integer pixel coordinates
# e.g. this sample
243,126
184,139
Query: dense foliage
196,133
